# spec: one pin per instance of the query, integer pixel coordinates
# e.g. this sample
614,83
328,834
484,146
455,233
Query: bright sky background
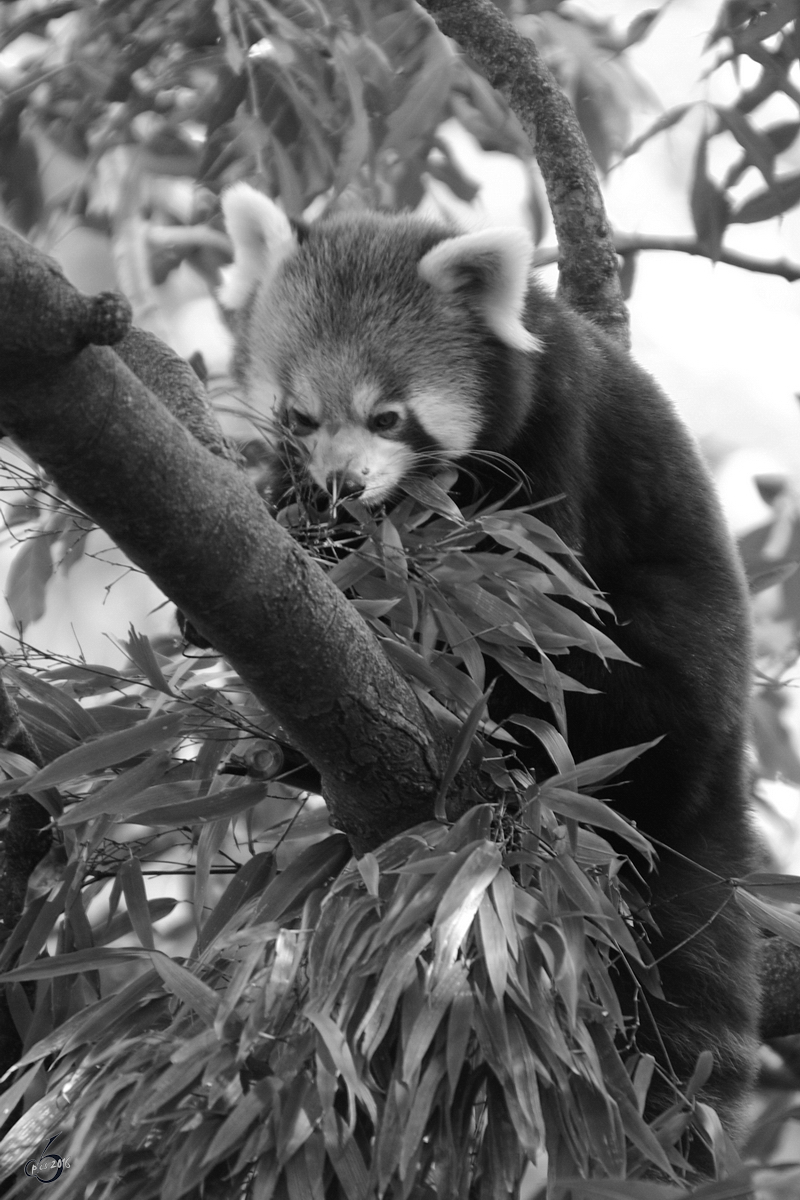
722,342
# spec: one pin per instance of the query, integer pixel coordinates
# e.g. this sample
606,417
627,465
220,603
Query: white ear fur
498,261
261,236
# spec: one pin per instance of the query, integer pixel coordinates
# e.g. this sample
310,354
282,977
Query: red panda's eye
300,423
383,421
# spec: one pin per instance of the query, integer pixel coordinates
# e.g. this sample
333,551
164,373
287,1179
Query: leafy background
119,126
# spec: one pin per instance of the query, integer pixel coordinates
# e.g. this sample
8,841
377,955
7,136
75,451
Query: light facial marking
448,419
377,463
365,397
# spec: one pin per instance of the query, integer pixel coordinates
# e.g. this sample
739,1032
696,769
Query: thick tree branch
588,277
175,383
198,528
631,243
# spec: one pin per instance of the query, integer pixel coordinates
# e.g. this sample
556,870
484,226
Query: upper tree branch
629,243
192,521
588,276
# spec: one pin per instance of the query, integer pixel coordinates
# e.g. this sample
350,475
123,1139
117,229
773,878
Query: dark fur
641,510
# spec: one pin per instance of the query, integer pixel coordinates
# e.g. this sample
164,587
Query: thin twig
629,243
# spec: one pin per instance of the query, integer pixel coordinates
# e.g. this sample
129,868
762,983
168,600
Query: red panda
389,345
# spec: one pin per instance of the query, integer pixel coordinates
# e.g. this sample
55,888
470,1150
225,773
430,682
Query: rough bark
588,276
192,521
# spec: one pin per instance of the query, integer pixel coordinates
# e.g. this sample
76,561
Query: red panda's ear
261,236
490,267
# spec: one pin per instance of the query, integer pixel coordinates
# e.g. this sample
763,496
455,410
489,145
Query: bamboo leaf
72,964
767,916
308,871
769,884
429,494
112,796
591,811
249,881
782,195
130,876
140,650
187,987
459,904
495,947
108,750
341,1058
26,582
459,751
709,205
78,719
369,870
153,806
551,739
603,766
437,1003
459,1030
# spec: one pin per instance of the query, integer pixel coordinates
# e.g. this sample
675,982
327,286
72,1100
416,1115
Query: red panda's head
375,340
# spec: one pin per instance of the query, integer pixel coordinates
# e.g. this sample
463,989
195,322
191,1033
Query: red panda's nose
342,486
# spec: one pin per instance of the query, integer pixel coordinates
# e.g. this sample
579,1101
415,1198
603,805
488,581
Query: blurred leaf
640,26
422,106
778,13
760,580
26,582
447,170
754,143
782,136
666,121
709,207
780,197
233,51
